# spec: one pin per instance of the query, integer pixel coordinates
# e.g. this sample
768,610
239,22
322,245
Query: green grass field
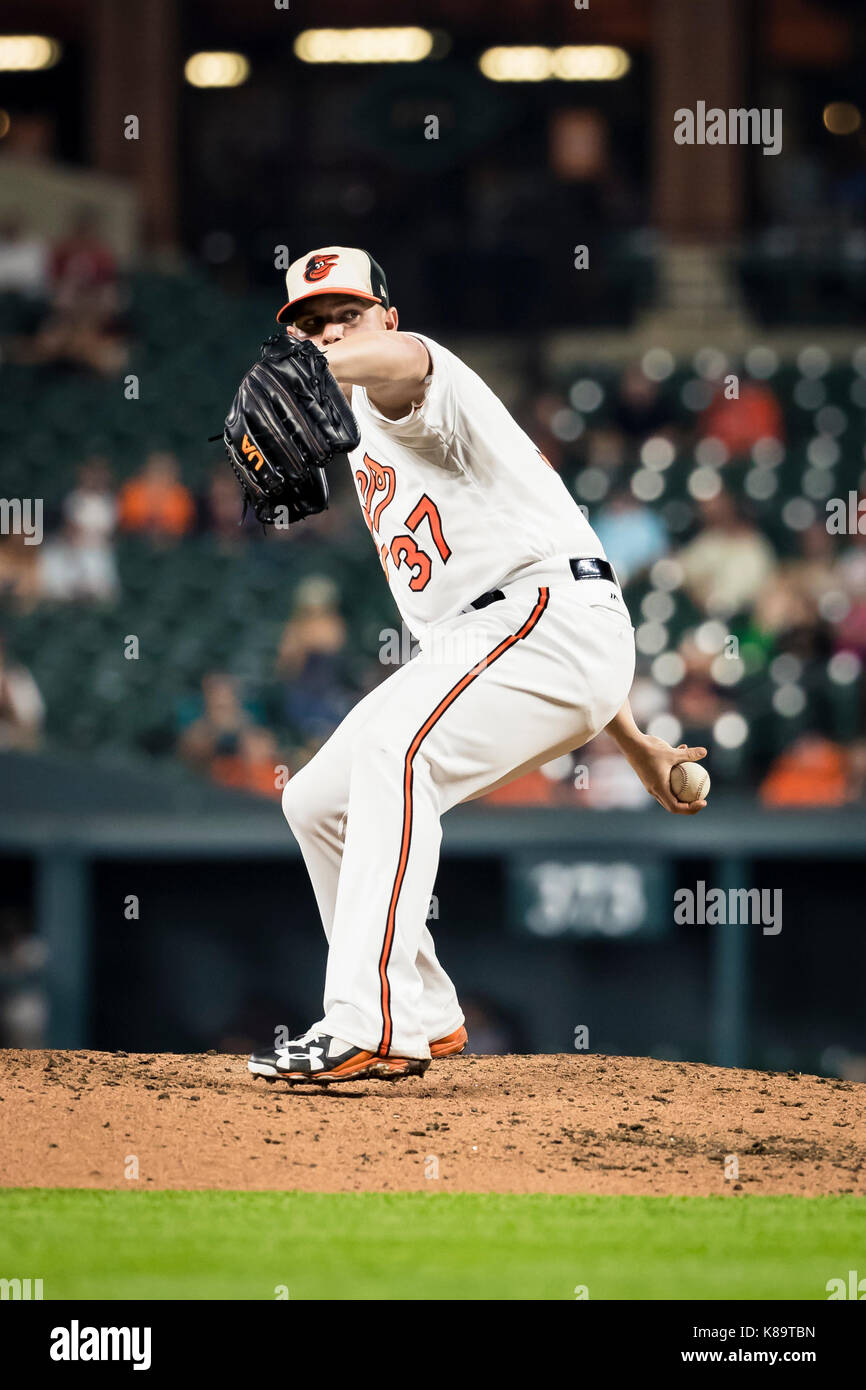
244,1245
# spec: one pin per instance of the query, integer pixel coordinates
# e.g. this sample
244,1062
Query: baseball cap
333,270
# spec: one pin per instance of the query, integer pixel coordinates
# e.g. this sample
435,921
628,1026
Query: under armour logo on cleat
313,1055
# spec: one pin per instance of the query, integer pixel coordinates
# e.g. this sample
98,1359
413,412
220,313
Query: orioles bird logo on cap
318,267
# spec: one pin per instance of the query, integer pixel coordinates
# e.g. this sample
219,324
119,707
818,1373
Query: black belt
582,568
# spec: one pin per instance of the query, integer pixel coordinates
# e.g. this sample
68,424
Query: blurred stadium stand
207,604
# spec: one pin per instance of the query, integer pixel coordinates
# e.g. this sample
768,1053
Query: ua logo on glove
251,451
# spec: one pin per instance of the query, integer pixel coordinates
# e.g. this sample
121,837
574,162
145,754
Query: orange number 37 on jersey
404,549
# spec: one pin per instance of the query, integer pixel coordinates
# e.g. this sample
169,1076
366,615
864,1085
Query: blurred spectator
23,260
605,779
791,599
532,789
857,770
604,448
253,766
814,569
754,414
216,731
155,502
19,572
84,271
222,506
786,620
728,562
812,772
22,710
633,535
852,567
79,564
697,705
76,567
851,630
83,327
92,505
312,659
850,634
638,408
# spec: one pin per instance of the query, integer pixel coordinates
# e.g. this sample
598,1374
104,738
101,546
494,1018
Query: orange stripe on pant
406,838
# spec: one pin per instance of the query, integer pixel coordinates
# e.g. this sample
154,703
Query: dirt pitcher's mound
480,1124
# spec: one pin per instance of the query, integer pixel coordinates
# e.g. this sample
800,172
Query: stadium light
388,45
27,52
841,118
216,69
589,63
516,64
572,63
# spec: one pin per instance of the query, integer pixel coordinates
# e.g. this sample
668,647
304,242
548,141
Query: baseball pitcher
526,645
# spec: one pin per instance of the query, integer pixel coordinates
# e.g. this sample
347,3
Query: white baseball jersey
457,497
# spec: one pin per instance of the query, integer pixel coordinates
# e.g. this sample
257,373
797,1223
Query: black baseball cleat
263,1062
319,1058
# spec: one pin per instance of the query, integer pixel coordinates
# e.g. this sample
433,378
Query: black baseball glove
288,420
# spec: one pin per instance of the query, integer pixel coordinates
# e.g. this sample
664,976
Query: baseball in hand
690,782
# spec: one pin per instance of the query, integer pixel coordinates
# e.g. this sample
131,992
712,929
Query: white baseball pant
493,694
